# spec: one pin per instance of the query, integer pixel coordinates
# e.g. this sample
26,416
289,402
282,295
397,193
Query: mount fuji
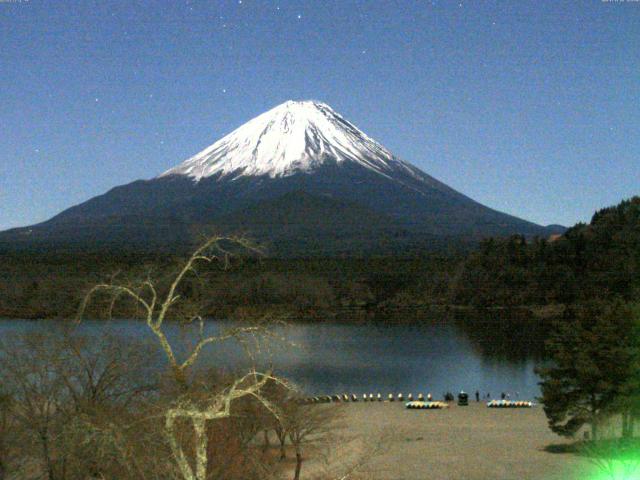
299,178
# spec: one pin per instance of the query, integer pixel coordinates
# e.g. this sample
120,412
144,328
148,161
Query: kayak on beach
509,404
426,405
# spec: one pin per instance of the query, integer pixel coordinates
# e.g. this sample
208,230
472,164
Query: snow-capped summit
294,137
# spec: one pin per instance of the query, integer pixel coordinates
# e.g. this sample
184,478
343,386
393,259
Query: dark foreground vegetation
591,384
92,407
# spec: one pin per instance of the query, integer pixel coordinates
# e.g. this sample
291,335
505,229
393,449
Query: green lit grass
617,459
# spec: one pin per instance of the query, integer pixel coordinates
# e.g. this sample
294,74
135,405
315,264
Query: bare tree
28,372
198,413
110,384
281,433
105,370
308,426
235,446
317,432
359,465
280,396
66,393
6,404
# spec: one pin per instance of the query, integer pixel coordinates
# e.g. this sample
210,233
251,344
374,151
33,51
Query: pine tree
627,401
593,371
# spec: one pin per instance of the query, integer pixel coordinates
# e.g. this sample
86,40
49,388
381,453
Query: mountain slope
297,176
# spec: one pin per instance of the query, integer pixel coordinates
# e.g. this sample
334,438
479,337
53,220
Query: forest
597,260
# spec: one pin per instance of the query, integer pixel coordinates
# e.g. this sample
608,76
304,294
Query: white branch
217,407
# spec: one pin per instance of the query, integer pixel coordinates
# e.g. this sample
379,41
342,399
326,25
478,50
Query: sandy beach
472,443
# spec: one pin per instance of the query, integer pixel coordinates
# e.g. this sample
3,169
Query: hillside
596,260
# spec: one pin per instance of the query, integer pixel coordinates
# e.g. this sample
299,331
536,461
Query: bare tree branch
186,408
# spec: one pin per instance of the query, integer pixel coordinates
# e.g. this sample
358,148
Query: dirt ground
470,443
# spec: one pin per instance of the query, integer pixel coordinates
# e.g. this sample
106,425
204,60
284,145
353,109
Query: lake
433,357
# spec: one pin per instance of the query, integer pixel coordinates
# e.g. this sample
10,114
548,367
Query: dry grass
467,443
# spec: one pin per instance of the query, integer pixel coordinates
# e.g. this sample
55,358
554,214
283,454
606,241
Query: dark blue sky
530,107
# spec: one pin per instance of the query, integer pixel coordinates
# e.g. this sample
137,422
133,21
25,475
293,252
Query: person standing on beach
477,396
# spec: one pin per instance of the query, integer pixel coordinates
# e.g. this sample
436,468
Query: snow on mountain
308,183
294,137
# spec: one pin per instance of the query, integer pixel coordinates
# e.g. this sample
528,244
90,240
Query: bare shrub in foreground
6,428
67,391
309,427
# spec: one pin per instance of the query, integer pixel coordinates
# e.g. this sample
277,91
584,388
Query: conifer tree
593,373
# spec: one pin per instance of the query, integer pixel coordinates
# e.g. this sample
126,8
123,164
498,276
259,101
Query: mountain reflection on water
491,353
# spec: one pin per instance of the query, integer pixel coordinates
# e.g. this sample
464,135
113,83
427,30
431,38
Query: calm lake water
330,358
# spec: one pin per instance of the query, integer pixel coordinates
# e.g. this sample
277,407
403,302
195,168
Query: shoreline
368,315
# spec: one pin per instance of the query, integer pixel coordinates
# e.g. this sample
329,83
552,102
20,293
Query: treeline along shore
599,260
